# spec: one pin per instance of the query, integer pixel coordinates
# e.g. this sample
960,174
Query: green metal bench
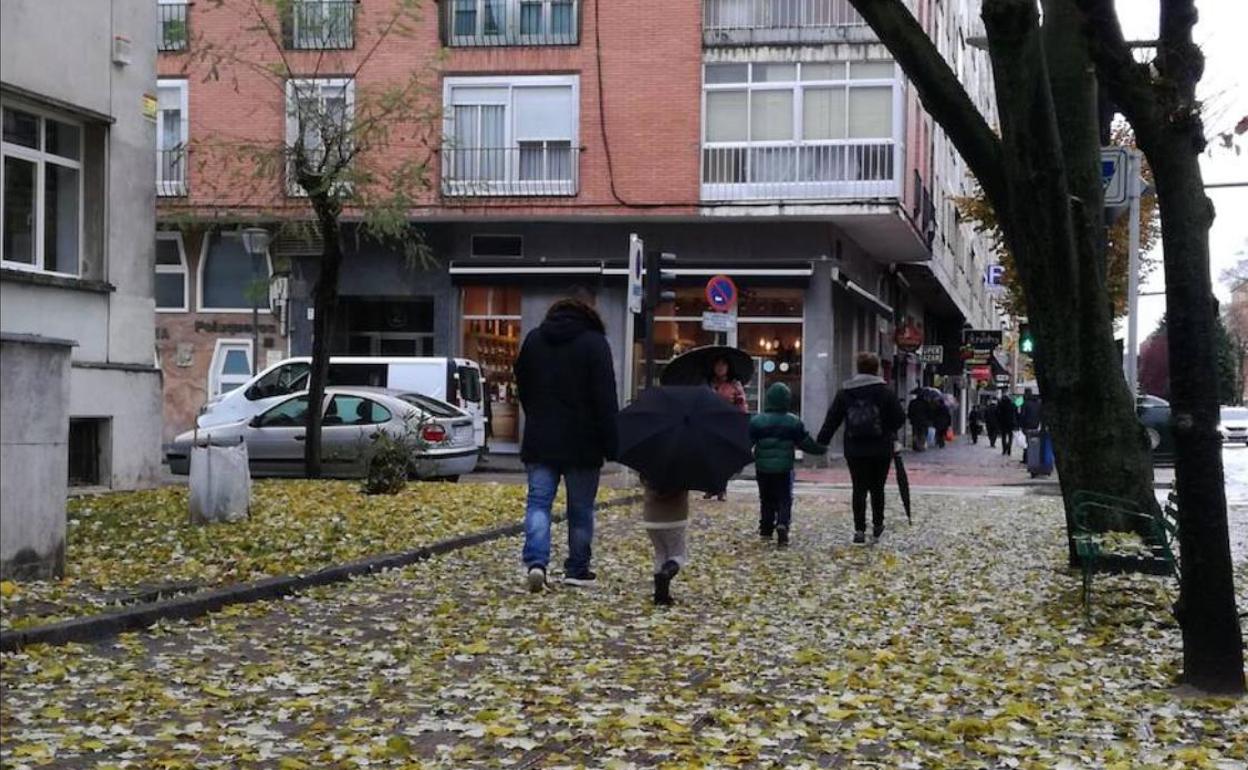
1095,516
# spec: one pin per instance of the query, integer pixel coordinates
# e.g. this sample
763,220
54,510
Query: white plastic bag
220,484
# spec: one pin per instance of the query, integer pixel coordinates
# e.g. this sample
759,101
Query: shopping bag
220,484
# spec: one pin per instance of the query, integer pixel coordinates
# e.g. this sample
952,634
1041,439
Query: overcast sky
1221,33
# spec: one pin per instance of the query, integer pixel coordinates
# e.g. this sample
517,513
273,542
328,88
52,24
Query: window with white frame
230,367
795,123
318,118
43,195
513,136
512,22
171,273
230,279
172,134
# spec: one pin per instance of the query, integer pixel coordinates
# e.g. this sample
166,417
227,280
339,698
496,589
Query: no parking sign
721,293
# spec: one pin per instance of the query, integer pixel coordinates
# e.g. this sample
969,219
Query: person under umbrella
872,415
920,417
679,439
729,388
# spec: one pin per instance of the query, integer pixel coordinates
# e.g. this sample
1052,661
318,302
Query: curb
93,628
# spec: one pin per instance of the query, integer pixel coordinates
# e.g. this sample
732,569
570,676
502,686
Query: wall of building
60,56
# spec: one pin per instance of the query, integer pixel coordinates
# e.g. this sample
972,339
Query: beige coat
665,510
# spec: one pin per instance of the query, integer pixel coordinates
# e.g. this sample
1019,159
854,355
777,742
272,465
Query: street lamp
256,244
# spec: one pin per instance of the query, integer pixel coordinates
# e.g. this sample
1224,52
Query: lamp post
256,244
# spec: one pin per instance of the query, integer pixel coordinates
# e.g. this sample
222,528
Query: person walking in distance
1029,417
991,424
1007,422
976,422
920,418
566,385
872,415
941,420
730,389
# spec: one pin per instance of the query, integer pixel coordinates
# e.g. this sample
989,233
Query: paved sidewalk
959,464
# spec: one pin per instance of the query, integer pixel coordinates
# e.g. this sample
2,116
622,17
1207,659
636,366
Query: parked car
1154,414
456,381
1234,424
446,446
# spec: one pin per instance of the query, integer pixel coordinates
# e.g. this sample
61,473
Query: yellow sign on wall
150,107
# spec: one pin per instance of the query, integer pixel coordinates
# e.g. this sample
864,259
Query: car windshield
429,405
1235,413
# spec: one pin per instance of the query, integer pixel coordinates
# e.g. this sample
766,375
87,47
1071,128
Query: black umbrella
903,484
684,438
694,367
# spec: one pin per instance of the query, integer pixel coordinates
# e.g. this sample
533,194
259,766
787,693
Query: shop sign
721,293
909,337
981,373
1003,379
719,322
982,339
932,354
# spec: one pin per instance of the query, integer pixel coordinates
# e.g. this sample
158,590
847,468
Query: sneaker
536,578
782,537
877,535
860,538
586,579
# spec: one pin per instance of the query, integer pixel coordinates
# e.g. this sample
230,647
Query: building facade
776,143
78,89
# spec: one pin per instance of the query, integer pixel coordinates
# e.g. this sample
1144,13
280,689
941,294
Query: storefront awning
515,267
861,296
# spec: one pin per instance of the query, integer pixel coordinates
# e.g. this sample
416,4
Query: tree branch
1128,81
939,89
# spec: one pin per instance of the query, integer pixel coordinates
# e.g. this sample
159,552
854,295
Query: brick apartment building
771,140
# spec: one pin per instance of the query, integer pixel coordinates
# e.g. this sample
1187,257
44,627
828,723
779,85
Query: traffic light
656,278
1026,342
653,283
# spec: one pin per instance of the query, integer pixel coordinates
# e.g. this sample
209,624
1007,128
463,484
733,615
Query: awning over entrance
861,296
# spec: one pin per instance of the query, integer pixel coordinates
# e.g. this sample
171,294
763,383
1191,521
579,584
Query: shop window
230,279
43,192
389,327
170,273
231,366
491,337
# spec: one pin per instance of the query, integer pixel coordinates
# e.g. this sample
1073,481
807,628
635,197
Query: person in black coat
1007,421
566,383
920,418
941,420
991,423
872,415
976,423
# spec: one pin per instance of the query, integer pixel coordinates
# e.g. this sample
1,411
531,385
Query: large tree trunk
324,304
1099,443
1165,114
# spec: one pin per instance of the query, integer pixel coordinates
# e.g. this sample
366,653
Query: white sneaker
536,579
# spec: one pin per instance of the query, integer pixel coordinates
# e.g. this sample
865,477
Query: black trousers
775,501
868,475
1007,442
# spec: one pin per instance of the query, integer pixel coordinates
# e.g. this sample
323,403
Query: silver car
353,417
1233,424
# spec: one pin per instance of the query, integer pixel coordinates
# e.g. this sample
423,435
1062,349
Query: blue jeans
582,487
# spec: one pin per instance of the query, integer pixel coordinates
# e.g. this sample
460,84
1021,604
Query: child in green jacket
776,435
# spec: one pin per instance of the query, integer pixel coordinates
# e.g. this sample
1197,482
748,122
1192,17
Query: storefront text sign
982,339
932,354
909,337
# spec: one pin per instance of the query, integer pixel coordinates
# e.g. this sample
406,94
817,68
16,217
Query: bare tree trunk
324,304
1098,442
1165,114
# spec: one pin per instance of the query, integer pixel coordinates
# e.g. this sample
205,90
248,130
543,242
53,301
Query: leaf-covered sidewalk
124,545
956,643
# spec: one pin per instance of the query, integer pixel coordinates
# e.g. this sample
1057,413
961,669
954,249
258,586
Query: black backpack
862,418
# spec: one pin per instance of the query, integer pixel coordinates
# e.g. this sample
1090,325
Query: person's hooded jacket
776,433
871,391
566,384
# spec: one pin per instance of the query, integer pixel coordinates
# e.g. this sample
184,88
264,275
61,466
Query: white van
454,380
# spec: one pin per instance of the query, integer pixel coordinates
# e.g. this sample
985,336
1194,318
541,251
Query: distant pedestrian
872,416
566,384
1029,417
920,420
665,516
730,389
991,423
1007,421
776,435
976,423
941,421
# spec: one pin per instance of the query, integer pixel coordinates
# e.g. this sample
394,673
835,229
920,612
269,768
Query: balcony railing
174,32
171,173
321,25
480,23
748,22
532,169
852,170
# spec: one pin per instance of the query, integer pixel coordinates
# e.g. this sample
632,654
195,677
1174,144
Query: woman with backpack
872,415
